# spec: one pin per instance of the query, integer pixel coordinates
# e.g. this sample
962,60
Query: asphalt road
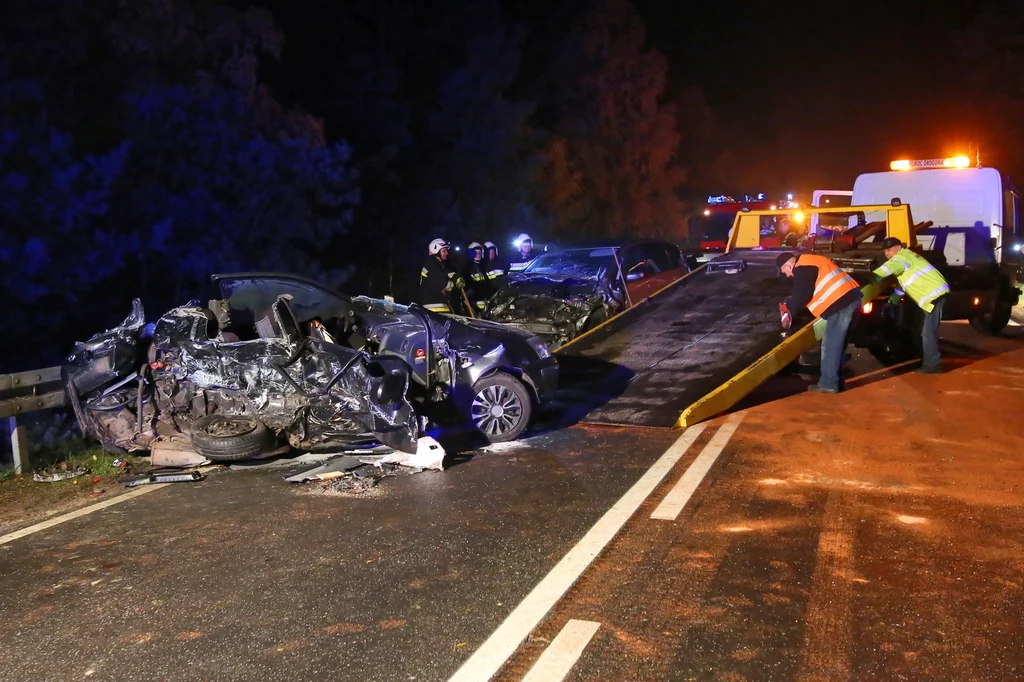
872,535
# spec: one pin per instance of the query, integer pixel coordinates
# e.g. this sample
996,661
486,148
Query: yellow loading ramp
746,233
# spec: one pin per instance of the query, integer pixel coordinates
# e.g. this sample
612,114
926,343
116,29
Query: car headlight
538,345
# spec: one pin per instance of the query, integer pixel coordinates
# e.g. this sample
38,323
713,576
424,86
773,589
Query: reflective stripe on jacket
919,278
831,285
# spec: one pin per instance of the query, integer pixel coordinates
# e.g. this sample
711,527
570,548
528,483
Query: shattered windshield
576,263
257,294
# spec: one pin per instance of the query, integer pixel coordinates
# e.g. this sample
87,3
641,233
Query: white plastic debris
429,455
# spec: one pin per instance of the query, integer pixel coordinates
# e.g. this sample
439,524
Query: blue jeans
930,335
833,345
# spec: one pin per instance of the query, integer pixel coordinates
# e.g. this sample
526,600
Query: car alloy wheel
496,410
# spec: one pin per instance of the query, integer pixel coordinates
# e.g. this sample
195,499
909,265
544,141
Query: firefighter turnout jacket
436,285
916,276
822,286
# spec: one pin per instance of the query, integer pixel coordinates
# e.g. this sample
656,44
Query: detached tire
500,407
230,438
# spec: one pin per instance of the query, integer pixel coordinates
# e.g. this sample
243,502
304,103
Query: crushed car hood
556,309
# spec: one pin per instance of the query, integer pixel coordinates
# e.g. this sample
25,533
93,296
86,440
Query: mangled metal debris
279,362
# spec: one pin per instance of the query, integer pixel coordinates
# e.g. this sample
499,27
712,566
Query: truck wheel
500,407
229,438
994,322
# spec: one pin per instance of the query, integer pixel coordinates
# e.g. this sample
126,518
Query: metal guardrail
26,392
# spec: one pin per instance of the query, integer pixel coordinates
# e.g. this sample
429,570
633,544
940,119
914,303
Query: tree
142,154
612,159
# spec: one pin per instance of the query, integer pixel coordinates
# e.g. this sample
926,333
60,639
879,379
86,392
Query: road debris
59,475
162,477
333,469
429,455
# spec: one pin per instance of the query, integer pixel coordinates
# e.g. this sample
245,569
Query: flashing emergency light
1016,247
458,248
707,211
948,162
774,207
789,196
798,216
517,243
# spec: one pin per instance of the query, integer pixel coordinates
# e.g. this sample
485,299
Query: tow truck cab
966,223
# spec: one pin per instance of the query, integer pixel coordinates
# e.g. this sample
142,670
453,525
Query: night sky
820,92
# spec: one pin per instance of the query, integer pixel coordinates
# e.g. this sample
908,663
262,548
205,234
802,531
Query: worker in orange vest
828,292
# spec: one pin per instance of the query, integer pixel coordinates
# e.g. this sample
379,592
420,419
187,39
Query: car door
643,265
669,261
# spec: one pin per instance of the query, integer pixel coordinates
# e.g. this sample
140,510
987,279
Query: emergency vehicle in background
967,224
720,212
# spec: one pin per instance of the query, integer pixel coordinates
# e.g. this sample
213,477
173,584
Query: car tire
230,438
500,407
994,322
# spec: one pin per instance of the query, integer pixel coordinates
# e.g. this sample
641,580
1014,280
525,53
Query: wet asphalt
818,547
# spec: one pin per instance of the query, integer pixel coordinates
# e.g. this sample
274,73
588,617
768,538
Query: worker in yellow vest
828,292
926,286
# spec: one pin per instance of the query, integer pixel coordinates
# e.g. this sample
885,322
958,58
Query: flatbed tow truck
700,345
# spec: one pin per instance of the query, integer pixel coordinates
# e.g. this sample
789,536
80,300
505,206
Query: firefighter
477,285
494,270
525,254
438,283
828,292
928,289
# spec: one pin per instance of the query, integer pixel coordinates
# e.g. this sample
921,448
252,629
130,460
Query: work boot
935,369
815,388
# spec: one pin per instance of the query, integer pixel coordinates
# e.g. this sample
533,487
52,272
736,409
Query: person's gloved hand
787,318
458,282
894,298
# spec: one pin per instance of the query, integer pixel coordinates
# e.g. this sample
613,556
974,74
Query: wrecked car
566,292
279,361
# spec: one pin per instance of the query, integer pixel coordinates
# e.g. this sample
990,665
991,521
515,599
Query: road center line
561,655
677,498
503,642
84,511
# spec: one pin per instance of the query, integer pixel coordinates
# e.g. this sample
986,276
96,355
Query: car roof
605,244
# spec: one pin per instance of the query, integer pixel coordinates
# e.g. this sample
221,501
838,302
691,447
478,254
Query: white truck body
973,215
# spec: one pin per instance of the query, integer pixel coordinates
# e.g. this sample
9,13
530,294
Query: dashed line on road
681,493
84,511
503,642
828,629
561,655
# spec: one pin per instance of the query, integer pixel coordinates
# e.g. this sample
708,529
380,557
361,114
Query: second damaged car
279,361
567,292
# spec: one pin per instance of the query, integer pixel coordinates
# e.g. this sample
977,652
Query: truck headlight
538,345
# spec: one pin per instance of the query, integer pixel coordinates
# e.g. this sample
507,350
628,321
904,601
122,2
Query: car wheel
500,407
229,438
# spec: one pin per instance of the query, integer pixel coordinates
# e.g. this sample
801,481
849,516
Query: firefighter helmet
436,246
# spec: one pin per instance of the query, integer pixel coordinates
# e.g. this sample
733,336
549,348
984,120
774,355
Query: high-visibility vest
916,276
832,284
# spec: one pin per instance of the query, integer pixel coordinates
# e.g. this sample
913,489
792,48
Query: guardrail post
19,443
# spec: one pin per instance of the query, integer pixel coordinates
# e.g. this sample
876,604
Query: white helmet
474,245
523,238
490,245
436,246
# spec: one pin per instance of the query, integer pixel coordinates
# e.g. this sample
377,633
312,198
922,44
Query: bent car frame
279,360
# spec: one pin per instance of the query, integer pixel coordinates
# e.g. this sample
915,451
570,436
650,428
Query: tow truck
700,345
968,227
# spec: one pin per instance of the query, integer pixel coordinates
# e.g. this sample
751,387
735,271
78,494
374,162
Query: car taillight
868,307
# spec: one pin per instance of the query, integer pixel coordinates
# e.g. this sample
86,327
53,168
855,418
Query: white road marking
11,537
561,655
503,642
677,498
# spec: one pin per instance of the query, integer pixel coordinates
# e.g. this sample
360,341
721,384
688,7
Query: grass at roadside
23,500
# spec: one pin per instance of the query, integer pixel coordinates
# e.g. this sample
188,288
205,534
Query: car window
631,257
656,253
